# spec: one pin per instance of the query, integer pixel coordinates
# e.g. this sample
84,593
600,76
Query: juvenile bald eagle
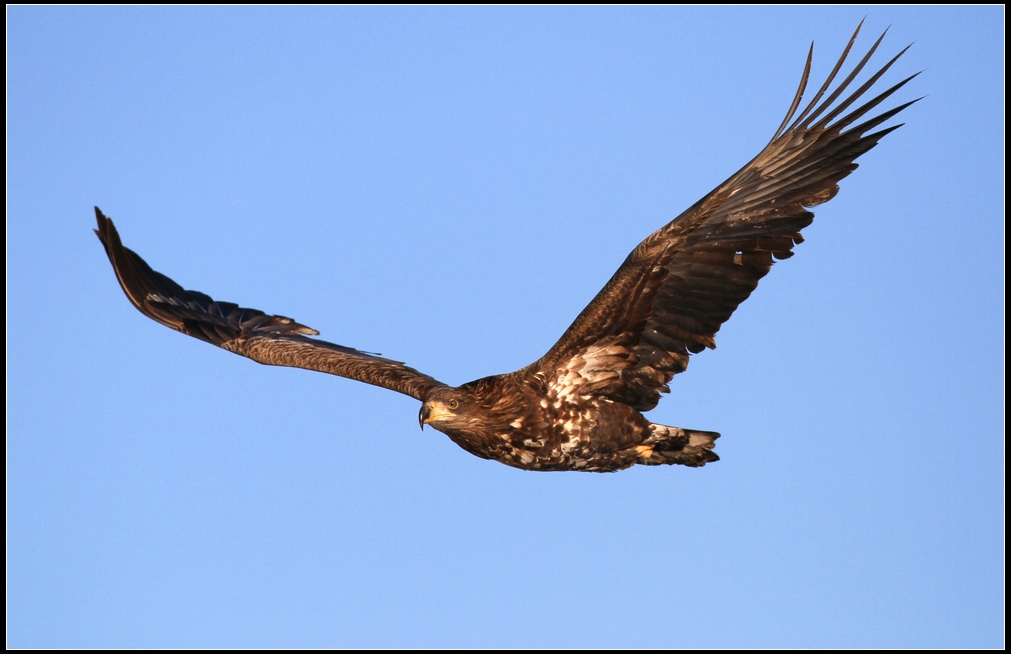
579,407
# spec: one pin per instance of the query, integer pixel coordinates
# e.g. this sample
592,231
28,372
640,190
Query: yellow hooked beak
433,412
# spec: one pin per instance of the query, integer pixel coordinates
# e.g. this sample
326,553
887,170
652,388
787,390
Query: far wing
677,288
272,340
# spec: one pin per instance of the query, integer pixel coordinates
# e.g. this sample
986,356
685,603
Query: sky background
450,187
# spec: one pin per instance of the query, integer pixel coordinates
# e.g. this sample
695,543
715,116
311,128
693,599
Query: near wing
273,340
676,289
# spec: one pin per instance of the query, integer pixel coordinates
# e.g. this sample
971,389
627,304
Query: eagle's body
579,407
527,422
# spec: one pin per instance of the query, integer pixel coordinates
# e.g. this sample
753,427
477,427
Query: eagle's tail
670,445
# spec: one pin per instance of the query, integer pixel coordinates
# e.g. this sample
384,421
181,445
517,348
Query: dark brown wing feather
676,289
273,340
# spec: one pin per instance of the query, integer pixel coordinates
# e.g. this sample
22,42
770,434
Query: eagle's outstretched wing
676,289
273,340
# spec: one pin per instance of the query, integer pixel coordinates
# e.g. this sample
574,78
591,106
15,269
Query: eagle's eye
453,404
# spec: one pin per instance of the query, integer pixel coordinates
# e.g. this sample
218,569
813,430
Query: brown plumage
579,406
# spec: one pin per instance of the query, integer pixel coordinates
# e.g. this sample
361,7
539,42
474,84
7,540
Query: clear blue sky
450,187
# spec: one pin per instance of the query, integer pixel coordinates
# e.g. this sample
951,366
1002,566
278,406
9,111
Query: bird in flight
580,406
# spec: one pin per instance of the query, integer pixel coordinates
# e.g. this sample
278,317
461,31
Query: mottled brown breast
534,424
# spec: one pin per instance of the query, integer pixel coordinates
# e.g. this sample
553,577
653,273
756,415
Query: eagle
581,405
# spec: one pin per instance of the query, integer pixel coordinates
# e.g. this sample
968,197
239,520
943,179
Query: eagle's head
445,409
475,415
472,408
